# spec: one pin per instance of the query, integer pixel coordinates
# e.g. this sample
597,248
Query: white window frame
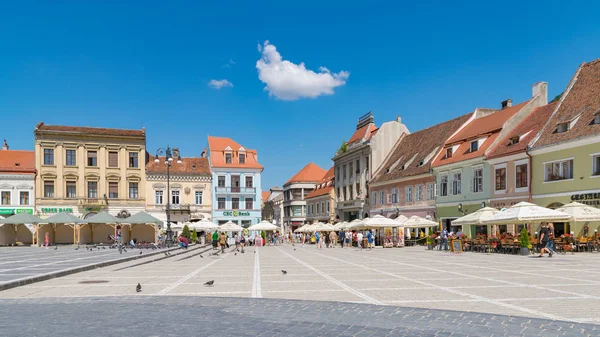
394,195
157,195
196,194
558,161
471,146
408,194
175,193
595,168
430,187
441,182
381,197
10,195
519,163
419,192
459,186
28,198
375,194
389,198
473,182
502,166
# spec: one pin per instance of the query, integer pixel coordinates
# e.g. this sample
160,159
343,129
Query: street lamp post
168,153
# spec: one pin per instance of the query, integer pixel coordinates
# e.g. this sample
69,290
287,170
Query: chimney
5,146
540,88
176,152
399,119
506,103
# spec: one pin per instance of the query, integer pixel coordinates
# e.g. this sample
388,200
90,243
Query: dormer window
597,118
474,146
562,127
242,158
420,164
514,140
227,158
402,168
449,153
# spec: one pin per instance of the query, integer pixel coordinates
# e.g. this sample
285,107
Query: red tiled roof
90,130
364,132
527,131
463,152
189,166
582,100
265,196
419,145
16,161
310,173
218,146
324,186
486,124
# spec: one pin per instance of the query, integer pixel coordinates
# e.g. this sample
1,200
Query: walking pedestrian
332,238
223,241
215,239
342,237
551,238
444,240
237,241
46,240
370,239
544,238
359,237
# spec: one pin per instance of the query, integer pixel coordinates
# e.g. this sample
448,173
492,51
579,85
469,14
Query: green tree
186,232
557,97
264,236
344,147
194,236
267,211
525,243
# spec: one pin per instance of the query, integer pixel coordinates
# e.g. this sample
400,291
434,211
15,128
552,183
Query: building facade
295,191
17,191
190,194
357,159
236,182
83,170
320,203
566,153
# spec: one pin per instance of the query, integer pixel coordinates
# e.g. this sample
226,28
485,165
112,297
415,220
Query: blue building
236,181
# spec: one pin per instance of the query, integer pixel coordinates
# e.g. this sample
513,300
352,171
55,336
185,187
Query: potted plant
430,242
525,243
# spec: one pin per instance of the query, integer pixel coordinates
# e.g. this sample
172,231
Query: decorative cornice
183,178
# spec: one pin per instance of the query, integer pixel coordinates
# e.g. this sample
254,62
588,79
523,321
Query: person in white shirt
359,237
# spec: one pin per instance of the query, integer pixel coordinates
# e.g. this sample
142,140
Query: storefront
351,210
239,217
446,214
5,212
590,198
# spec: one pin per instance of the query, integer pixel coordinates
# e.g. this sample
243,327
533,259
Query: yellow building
83,170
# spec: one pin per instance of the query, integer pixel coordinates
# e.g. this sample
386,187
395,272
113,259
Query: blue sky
150,64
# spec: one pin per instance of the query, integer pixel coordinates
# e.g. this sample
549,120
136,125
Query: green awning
142,218
23,218
63,218
103,218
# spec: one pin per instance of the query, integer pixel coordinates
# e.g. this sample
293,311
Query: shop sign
500,205
591,199
56,210
236,213
11,211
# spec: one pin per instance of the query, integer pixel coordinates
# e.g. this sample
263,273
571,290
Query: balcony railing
242,190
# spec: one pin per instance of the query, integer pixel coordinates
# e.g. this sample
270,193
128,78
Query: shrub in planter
186,232
525,243
194,236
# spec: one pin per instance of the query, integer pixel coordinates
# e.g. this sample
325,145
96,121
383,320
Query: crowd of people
357,239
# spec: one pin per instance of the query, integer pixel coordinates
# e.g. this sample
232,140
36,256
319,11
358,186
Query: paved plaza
563,288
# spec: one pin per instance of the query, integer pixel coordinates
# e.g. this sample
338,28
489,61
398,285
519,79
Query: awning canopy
418,222
230,227
23,218
103,218
63,218
142,218
524,212
379,221
476,217
580,212
263,226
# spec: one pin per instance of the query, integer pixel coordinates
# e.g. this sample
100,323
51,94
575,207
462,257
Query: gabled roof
324,186
142,218
364,132
17,161
422,147
525,131
583,100
265,196
218,146
310,173
488,126
90,130
188,166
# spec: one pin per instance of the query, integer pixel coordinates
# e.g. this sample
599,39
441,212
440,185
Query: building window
344,171
175,197
394,196
318,209
474,146
563,127
113,190
478,180
419,193
235,203
221,181
444,186
249,203
596,164
134,192
500,179
374,198
71,158
242,158
92,189
228,158
24,198
71,190
381,198
351,192
221,203
327,206
249,181
92,158
133,159
514,140
5,198
449,153
198,197
113,159
597,118
48,189
158,197
351,168
322,207
521,176
357,169
559,170
430,194
456,183
48,156
408,192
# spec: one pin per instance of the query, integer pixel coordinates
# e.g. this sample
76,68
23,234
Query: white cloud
218,84
229,64
288,81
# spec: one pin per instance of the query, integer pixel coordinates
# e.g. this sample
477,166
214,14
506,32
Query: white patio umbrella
356,224
230,227
476,218
177,226
580,212
418,222
525,212
301,229
263,226
309,228
379,221
401,219
322,227
340,226
205,225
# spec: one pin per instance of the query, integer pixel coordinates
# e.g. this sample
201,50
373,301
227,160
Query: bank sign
11,211
236,213
56,210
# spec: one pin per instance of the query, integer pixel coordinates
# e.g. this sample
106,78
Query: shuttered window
113,159
113,190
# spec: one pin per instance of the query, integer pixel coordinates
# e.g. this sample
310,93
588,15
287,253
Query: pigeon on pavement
138,288
209,283
166,254
283,272
201,256
140,252
56,248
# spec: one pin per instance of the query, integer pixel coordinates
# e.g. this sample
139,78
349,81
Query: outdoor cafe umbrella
401,219
142,218
476,218
63,218
103,218
418,222
340,226
230,227
205,225
356,224
580,212
379,221
263,226
23,218
322,227
300,229
524,212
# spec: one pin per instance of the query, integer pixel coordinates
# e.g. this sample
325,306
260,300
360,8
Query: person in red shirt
183,242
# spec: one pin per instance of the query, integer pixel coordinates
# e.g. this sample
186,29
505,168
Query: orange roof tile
526,131
265,196
17,161
310,173
583,99
218,146
90,130
364,132
324,186
189,166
